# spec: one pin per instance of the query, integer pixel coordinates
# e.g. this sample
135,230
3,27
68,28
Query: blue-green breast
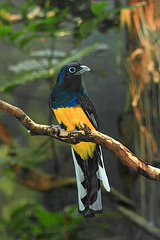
61,98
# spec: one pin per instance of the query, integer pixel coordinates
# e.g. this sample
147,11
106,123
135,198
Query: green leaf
46,218
5,30
14,35
25,40
19,210
41,25
98,8
88,26
23,78
36,229
49,24
101,15
8,6
31,76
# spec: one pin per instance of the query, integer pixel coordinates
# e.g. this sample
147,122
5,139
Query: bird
71,106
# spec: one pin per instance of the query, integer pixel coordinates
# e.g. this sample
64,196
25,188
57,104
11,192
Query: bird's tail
89,173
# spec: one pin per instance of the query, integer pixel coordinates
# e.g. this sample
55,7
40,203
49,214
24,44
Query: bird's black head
69,86
70,74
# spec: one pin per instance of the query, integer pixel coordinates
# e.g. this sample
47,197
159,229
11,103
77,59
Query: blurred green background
119,41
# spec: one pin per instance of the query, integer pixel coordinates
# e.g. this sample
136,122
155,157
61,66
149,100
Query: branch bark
35,179
40,181
86,135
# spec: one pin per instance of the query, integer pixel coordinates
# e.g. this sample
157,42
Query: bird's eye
72,69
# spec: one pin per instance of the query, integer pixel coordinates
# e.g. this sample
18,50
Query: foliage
48,23
34,222
37,30
33,29
27,71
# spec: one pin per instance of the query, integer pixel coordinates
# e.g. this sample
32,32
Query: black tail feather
89,173
91,184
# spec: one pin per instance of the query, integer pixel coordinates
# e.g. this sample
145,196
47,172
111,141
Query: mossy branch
86,135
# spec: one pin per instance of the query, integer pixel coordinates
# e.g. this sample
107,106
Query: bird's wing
89,109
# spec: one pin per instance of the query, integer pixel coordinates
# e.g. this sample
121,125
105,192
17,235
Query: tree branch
35,179
86,135
140,221
40,181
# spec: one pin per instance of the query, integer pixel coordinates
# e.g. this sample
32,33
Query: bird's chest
62,98
71,117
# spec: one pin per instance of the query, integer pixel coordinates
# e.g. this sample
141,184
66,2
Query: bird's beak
82,70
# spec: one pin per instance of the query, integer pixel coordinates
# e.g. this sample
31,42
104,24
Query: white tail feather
97,205
80,178
101,174
82,192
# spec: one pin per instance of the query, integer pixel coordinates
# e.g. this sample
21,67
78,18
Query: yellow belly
71,117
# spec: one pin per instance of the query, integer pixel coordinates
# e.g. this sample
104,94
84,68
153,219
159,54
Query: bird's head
71,72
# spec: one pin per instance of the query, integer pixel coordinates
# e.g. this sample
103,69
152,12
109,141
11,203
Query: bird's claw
56,126
72,131
60,127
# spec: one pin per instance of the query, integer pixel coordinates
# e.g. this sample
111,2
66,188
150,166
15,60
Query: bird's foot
60,126
84,127
59,130
72,131
56,126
